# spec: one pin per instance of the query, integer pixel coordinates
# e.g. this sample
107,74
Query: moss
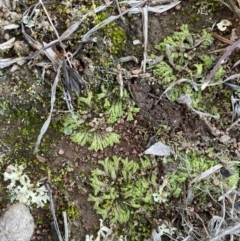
122,193
22,117
72,212
93,122
118,38
114,33
23,137
192,164
185,58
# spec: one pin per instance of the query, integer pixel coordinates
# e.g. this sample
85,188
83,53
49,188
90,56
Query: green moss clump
114,33
118,38
185,58
123,191
93,122
165,72
179,49
4,106
191,165
72,211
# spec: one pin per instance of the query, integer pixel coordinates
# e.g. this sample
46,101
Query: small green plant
93,122
185,58
123,188
183,51
4,107
191,165
115,36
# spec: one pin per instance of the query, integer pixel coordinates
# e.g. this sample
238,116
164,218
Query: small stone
91,124
134,151
123,9
136,71
224,139
159,149
226,172
178,7
122,121
16,224
109,129
84,117
41,159
216,182
237,206
61,152
136,42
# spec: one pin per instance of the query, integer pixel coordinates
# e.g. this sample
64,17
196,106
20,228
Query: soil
27,94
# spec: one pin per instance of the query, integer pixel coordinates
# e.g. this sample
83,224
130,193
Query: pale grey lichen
21,188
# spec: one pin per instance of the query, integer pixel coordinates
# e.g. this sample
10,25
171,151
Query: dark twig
220,61
119,11
233,8
52,209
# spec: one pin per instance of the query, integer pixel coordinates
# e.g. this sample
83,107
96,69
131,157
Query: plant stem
233,7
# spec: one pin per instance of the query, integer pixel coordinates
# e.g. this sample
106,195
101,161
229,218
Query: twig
109,20
222,2
49,19
224,214
222,39
219,62
65,225
145,36
228,231
120,79
233,8
119,11
235,123
52,209
178,82
47,122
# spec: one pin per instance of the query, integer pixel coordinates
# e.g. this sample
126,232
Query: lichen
21,188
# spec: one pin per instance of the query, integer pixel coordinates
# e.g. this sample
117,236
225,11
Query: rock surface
16,224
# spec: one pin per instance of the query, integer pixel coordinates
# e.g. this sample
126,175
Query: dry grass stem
219,62
145,36
47,122
178,82
205,174
8,44
52,209
120,79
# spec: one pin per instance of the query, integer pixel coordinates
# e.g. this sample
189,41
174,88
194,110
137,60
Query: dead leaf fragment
11,26
159,149
40,158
